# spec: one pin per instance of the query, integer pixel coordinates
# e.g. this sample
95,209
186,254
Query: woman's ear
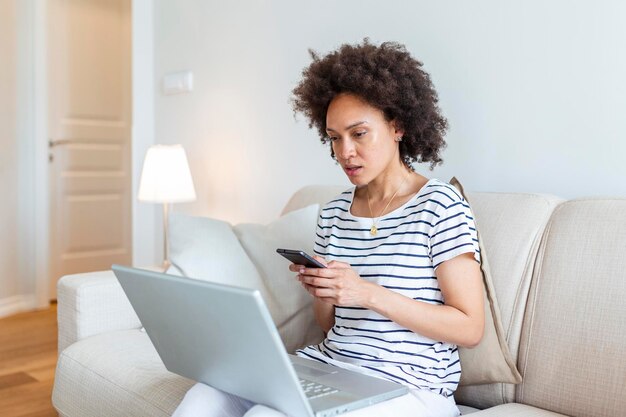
398,131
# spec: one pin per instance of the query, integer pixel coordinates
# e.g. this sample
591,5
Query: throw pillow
294,230
245,255
490,361
207,249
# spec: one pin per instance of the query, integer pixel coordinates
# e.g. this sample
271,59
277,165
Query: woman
402,288
403,285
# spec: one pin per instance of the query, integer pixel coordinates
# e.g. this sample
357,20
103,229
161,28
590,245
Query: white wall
534,93
17,243
146,239
8,151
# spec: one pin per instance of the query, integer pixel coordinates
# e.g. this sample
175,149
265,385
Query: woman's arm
459,321
324,314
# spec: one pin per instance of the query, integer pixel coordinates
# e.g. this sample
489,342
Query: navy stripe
393,342
432,300
413,213
339,199
362,318
337,217
360,329
396,265
393,276
402,352
335,208
376,238
451,249
439,192
453,189
458,203
412,255
449,228
413,288
451,238
376,247
311,356
373,358
395,287
424,210
448,218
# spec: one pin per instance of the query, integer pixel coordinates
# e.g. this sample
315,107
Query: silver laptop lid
184,316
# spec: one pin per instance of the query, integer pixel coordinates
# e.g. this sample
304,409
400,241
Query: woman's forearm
438,322
324,314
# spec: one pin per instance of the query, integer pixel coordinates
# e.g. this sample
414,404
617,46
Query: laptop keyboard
315,389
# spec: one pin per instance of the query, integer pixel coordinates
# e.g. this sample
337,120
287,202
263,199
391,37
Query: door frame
143,217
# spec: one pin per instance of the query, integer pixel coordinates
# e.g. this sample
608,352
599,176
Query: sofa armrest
90,304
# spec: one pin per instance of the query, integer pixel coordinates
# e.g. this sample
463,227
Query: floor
28,355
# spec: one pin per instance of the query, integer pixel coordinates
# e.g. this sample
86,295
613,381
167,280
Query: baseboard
17,304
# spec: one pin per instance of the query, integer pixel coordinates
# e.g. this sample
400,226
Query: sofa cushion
573,347
245,255
491,360
511,226
513,410
116,374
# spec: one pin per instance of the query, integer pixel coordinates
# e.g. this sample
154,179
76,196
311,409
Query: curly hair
386,77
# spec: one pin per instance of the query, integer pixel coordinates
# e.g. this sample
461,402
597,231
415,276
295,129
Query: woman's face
362,140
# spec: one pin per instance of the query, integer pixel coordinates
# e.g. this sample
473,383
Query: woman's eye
359,134
332,138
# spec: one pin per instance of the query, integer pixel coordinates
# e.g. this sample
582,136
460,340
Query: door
89,126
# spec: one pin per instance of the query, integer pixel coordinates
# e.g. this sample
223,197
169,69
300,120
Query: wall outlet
178,82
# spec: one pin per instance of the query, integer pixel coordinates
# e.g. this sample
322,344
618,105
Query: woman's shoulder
442,192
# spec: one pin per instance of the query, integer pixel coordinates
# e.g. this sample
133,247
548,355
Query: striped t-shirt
412,241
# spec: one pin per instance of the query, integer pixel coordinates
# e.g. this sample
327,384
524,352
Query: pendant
373,230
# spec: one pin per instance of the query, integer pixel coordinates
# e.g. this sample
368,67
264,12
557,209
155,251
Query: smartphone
300,257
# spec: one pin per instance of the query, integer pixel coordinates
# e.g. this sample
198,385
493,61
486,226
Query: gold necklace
374,229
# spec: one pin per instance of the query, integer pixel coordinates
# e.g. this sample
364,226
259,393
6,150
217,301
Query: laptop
224,336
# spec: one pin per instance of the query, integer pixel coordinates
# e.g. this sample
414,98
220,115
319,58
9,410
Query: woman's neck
388,183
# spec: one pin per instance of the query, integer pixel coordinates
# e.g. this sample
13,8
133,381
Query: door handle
58,142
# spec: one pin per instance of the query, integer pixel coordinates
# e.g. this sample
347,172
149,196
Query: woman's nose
345,149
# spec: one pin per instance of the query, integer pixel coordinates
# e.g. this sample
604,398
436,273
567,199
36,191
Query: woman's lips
352,171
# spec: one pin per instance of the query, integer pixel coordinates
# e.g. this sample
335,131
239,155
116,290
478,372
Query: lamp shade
165,177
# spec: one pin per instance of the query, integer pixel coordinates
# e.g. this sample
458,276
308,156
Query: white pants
205,401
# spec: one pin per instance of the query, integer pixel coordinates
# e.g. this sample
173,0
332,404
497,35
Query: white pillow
245,255
208,250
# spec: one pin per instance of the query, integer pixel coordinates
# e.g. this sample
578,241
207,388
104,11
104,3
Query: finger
322,292
338,265
317,281
295,267
319,258
318,272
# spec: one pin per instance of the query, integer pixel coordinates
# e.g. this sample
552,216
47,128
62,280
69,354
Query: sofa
559,276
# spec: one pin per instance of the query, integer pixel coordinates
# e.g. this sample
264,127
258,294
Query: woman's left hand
338,284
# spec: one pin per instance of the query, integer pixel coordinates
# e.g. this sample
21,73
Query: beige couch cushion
513,410
511,226
491,360
573,350
116,374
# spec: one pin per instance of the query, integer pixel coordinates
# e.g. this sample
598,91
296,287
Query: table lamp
165,178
